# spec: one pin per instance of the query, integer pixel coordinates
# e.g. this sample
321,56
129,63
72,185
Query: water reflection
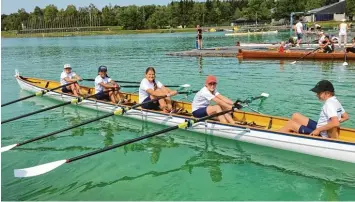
200,60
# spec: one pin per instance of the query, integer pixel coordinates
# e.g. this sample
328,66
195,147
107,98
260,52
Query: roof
338,7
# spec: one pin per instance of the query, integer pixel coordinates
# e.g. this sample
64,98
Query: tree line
186,13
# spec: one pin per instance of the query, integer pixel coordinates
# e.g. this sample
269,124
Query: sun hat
67,66
211,79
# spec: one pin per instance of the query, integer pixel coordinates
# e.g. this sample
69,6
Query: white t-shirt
342,30
299,28
144,86
203,98
99,79
331,108
65,75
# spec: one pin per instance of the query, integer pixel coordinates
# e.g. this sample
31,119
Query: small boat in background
250,33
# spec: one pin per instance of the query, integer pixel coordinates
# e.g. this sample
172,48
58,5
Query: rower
150,89
68,76
327,46
201,104
292,41
104,83
331,115
351,49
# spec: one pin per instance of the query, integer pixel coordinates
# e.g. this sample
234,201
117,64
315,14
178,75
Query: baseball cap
322,86
67,66
102,69
211,79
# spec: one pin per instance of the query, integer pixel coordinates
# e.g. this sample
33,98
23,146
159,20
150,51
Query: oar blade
294,62
7,148
265,95
38,170
185,86
345,64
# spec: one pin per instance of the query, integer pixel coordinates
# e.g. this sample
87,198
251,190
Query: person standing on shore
199,37
299,31
343,28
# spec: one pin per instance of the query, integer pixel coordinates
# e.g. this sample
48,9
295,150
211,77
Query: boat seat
47,84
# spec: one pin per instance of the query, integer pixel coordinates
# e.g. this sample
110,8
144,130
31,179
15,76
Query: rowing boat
256,54
276,45
250,33
250,127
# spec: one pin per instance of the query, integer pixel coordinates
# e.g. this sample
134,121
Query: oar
44,168
345,63
136,82
169,86
73,101
116,112
42,92
294,62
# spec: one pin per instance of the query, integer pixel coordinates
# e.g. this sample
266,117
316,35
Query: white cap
343,20
67,66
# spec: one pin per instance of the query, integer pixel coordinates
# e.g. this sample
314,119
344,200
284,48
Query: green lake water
179,165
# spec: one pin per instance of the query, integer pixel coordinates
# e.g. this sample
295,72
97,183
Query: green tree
350,8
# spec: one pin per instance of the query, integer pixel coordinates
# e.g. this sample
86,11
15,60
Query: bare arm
344,117
222,103
334,122
225,99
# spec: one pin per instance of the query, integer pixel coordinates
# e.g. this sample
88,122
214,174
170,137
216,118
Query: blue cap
102,69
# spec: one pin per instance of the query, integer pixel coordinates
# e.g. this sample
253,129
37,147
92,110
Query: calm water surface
178,165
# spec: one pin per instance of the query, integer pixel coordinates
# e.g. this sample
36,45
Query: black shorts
150,105
102,96
66,90
352,49
328,49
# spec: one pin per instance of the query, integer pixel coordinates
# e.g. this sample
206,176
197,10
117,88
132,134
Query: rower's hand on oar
172,93
237,104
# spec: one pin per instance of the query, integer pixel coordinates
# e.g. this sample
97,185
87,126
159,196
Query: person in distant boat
327,46
299,31
281,48
237,43
351,49
331,115
67,76
292,41
199,36
343,29
201,104
105,87
150,89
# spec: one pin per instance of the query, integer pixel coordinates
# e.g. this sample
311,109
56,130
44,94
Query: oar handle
135,82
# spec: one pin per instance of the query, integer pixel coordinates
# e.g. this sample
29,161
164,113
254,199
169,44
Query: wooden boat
256,54
276,45
251,127
250,33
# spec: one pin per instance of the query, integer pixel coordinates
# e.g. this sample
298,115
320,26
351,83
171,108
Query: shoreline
14,34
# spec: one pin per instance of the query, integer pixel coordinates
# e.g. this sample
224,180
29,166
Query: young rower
321,38
104,83
67,76
351,49
150,89
201,104
330,117
327,46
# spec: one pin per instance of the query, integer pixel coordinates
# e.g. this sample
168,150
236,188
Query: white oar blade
7,148
186,86
265,94
38,170
294,62
345,64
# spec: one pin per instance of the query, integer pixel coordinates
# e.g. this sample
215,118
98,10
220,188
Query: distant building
334,12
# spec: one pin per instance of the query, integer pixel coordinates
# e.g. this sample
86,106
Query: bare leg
165,103
291,126
216,109
73,89
78,88
333,133
228,116
112,97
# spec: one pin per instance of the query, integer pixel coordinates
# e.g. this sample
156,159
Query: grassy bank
107,31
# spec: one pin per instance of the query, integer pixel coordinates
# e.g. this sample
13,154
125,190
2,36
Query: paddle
345,63
44,168
169,86
42,92
294,62
136,82
74,101
116,112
